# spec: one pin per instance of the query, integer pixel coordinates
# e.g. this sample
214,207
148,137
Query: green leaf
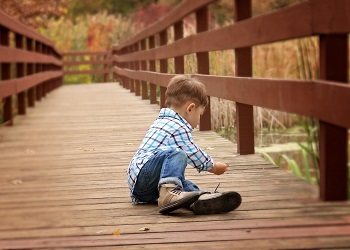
291,163
268,158
306,165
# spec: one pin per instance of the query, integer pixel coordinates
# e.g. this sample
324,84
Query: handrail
268,28
38,66
325,99
21,29
302,101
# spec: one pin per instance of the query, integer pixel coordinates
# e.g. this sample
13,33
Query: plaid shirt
168,131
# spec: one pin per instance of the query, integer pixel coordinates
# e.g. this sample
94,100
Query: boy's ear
190,107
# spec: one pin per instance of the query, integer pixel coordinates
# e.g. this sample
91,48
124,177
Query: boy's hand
219,168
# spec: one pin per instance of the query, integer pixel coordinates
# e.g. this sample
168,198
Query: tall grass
284,60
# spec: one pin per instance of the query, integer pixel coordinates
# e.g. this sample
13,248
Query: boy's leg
189,186
166,167
172,182
173,169
146,187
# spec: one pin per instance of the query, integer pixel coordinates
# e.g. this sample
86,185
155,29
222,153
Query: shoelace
177,190
215,191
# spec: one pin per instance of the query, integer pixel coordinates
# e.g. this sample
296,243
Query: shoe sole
224,203
184,202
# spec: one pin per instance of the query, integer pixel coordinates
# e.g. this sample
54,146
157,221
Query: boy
156,173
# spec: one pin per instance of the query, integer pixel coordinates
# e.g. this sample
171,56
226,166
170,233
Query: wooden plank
87,72
178,237
18,85
16,55
81,62
81,181
164,227
301,243
331,17
83,53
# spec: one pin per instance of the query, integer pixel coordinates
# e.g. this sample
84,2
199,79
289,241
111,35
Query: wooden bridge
63,164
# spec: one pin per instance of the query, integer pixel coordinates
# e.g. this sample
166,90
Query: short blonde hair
183,88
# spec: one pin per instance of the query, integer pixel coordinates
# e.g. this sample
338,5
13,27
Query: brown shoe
216,203
171,198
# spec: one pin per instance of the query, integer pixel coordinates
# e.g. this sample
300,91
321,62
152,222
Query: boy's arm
219,168
196,156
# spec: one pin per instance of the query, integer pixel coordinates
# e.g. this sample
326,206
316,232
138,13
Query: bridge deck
63,185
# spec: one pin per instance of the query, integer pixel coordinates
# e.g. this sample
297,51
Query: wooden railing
326,99
98,63
31,66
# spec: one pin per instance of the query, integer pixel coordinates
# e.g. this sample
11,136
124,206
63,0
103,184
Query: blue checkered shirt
168,131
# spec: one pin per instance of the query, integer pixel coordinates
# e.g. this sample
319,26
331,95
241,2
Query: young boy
156,173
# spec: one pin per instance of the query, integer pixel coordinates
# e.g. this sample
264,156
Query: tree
34,13
79,7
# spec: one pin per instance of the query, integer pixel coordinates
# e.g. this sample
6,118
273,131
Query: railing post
143,67
30,71
163,37
137,67
115,76
60,80
5,75
179,60
43,69
131,66
125,81
38,69
152,68
21,97
202,22
105,67
243,65
333,139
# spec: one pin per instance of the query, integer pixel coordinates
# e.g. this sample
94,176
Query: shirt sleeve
196,156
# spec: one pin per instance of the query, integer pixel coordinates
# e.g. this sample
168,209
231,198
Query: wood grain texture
63,185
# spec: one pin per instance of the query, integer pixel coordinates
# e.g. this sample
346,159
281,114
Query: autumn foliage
34,13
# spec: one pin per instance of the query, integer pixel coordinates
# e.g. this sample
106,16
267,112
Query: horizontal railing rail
31,66
325,99
98,62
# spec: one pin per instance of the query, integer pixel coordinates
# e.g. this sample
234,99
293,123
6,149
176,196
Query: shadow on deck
63,185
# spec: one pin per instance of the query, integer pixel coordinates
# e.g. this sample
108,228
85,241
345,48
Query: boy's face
193,114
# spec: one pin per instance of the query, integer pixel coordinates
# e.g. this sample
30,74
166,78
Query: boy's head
185,88
188,97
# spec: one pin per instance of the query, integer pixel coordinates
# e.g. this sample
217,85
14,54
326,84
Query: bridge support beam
243,65
163,40
5,75
152,67
333,140
202,21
